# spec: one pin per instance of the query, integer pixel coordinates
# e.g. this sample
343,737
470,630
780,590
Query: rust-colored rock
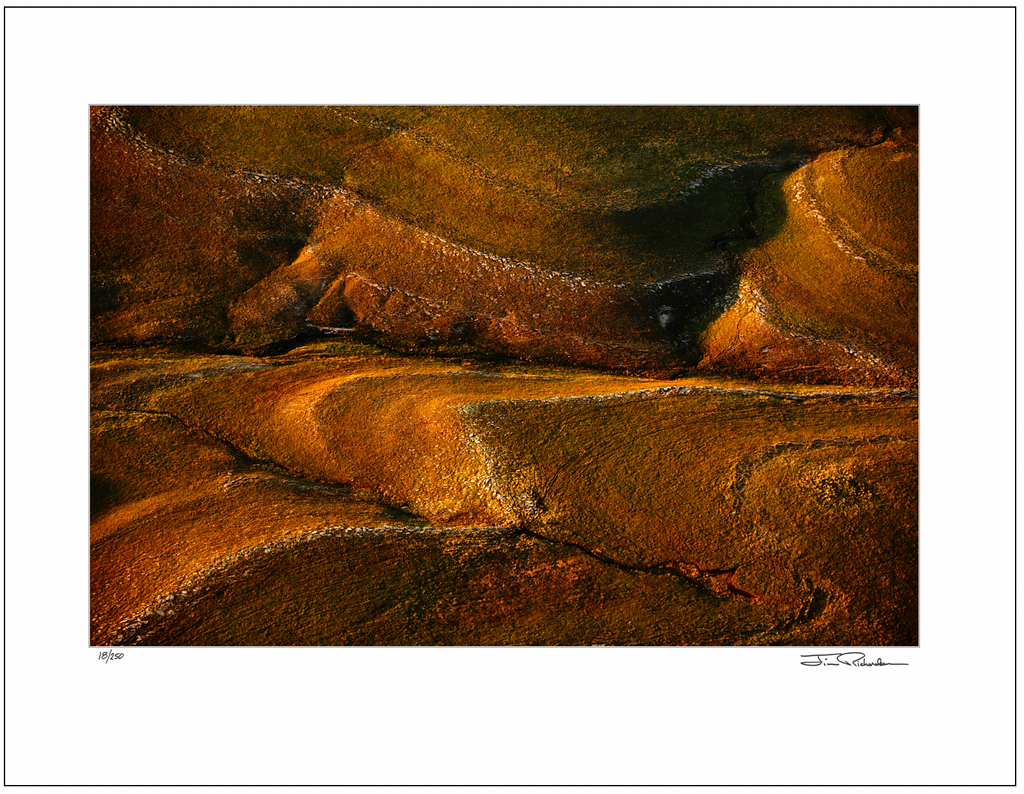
359,380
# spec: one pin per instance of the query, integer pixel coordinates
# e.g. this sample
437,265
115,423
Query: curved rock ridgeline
823,300
269,259
173,243
363,268
664,479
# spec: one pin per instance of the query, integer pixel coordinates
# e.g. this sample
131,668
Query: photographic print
520,375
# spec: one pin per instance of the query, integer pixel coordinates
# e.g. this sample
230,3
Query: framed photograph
509,396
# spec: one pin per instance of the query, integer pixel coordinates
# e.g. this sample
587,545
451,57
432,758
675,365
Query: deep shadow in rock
685,306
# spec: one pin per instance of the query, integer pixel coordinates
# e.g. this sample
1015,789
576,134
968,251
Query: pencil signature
848,658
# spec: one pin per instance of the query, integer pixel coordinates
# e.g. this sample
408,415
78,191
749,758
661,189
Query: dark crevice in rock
289,477
716,580
243,456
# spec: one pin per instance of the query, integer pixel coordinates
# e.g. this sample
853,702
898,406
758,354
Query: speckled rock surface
597,376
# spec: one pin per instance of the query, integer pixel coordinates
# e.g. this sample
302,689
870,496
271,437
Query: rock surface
338,402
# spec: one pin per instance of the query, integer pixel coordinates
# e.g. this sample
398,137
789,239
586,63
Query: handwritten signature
848,658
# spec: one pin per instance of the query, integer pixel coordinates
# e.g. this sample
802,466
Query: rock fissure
717,580
241,454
